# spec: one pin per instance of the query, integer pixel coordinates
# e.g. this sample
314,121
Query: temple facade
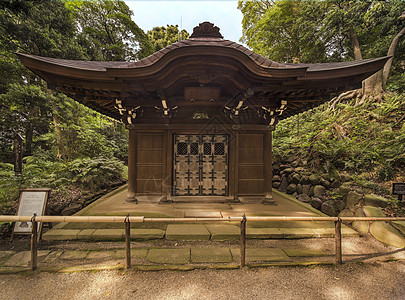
201,112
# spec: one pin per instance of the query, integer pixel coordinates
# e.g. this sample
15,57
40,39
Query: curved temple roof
194,68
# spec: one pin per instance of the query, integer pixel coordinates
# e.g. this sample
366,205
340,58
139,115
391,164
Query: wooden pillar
132,166
268,168
236,170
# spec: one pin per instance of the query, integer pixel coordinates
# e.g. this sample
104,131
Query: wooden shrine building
201,112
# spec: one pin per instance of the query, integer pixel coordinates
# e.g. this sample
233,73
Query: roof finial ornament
206,29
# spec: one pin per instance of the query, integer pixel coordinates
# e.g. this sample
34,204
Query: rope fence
140,219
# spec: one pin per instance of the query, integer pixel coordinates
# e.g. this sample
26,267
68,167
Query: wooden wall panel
250,166
149,162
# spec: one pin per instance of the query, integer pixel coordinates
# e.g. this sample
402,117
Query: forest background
81,154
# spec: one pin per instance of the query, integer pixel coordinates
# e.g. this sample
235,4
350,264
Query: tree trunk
391,52
355,44
29,130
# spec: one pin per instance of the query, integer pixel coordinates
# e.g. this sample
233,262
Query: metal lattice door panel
200,165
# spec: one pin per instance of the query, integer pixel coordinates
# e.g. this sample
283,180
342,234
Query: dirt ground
349,281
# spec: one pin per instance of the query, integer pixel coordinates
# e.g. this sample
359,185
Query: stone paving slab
85,234
74,254
202,214
147,234
297,233
304,252
51,257
261,254
22,259
108,234
263,233
99,255
61,234
5,254
135,253
187,232
169,256
220,232
211,255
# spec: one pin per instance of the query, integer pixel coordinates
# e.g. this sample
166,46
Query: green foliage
368,138
162,37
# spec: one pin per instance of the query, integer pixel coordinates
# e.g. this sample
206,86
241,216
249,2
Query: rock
340,205
305,189
299,188
375,200
276,168
283,184
296,178
276,178
295,194
344,189
346,213
304,198
345,177
328,208
319,190
387,234
299,169
361,226
316,203
335,183
282,167
326,177
311,191
359,212
70,210
324,182
305,180
291,159
288,171
314,179
371,211
291,188
276,184
399,225
353,199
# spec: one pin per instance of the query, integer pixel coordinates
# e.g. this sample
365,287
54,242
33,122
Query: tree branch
391,51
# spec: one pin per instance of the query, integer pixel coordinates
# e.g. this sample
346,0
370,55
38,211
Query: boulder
282,167
344,189
359,212
316,203
296,178
387,234
305,180
371,211
295,163
399,225
288,171
291,188
304,198
328,208
276,168
326,177
276,184
345,177
314,179
352,199
324,182
283,184
319,190
299,169
299,188
70,210
311,191
276,178
361,226
305,189
375,200
346,213
340,205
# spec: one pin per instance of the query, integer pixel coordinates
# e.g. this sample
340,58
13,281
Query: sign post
18,154
31,202
398,188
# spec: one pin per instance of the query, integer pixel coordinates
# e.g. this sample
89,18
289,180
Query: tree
340,30
107,31
162,37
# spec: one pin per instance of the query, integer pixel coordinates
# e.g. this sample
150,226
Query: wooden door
200,165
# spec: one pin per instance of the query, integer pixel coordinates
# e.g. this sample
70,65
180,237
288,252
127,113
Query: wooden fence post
243,241
338,241
127,243
34,239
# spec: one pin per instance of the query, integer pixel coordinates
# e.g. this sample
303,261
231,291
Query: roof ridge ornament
206,29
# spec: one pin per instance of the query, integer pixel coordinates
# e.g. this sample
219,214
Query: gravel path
350,281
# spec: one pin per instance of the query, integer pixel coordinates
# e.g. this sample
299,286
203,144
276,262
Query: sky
188,14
